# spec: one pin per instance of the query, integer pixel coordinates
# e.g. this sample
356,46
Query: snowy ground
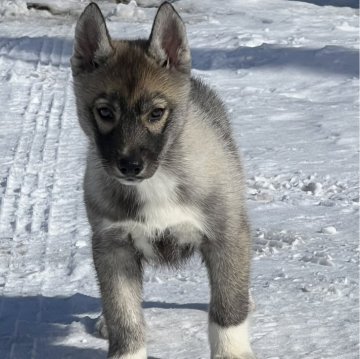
288,72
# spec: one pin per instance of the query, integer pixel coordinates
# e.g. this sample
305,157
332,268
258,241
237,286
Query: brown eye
105,113
156,114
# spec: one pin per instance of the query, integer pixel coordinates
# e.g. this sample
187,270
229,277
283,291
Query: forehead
133,76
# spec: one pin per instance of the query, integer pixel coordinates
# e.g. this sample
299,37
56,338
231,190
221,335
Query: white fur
161,210
161,207
230,342
129,298
140,354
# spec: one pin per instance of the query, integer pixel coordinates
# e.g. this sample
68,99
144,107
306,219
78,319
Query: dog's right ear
92,45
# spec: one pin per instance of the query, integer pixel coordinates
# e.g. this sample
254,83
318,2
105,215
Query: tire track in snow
33,239
26,204
16,180
13,198
49,62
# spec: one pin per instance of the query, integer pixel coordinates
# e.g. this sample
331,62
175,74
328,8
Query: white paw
101,327
247,356
140,354
242,356
230,342
252,305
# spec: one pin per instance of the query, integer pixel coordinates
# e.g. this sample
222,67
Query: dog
163,179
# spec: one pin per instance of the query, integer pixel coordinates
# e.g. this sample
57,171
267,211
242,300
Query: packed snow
288,72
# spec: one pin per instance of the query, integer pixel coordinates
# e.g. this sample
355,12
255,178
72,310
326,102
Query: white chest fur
161,206
162,211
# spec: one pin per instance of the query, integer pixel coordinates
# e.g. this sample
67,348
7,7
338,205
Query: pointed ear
168,43
92,46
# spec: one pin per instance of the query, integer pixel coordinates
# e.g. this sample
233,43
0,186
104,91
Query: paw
140,354
247,356
242,356
252,305
101,327
230,342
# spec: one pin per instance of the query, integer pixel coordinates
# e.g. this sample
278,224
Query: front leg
227,260
119,273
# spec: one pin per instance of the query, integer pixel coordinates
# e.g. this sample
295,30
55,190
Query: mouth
129,181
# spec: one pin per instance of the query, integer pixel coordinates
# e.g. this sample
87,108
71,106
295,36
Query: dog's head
131,96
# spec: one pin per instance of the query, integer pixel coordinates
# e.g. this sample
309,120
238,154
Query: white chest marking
161,211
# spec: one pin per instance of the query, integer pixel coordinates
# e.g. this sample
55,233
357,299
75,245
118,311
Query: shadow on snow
340,60
337,3
33,327
329,59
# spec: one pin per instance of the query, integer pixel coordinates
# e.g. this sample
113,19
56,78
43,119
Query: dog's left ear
168,43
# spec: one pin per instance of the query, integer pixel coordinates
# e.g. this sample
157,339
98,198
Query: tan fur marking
157,126
106,126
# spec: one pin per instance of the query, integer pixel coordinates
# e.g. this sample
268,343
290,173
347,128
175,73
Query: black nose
130,167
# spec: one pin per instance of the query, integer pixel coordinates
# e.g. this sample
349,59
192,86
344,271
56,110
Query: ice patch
128,11
13,8
318,258
269,242
329,230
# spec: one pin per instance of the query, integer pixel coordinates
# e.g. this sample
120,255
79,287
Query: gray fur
191,162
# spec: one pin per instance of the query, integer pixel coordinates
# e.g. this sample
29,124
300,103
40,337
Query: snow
288,73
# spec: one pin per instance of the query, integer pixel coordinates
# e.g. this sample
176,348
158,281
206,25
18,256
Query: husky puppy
163,178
